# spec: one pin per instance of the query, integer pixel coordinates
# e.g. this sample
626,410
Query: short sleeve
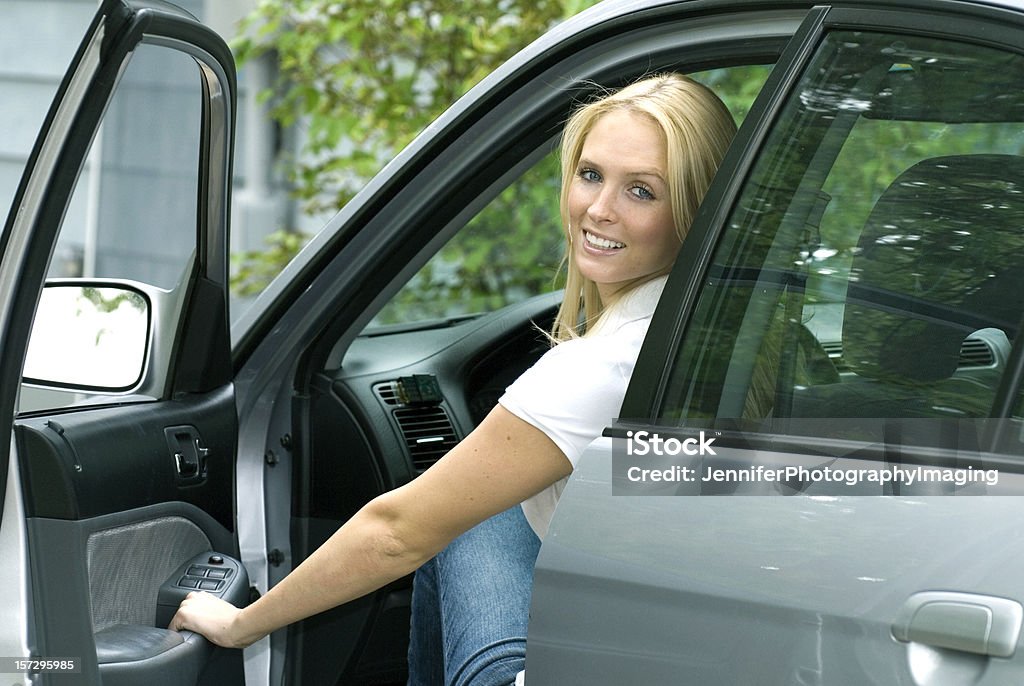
576,389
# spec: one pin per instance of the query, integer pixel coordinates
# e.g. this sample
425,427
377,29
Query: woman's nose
602,209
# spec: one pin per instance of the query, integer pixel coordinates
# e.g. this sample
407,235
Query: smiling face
618,203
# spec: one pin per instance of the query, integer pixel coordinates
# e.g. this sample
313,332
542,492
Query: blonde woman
635,165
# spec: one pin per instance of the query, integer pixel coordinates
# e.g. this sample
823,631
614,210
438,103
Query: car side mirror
89,336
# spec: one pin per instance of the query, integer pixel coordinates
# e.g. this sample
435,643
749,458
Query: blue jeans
470,606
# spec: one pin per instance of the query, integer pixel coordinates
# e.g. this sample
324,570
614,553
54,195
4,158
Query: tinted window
873,264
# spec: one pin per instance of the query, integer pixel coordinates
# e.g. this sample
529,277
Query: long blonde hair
698,128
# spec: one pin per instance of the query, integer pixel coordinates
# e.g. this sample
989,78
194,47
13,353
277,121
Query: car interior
883,339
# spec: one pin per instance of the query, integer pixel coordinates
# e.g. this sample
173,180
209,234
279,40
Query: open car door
119,471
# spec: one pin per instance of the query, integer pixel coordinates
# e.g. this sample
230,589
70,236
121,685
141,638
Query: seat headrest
941,255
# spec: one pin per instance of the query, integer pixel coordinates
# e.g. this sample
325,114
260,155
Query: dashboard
402,398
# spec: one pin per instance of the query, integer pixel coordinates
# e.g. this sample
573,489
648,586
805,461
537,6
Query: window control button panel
205,577
210,572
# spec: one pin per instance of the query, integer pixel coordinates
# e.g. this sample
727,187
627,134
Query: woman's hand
216,619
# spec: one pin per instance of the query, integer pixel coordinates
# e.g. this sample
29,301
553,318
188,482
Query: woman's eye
642,192
589,175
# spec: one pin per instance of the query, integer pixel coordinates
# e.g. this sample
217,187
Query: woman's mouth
599,243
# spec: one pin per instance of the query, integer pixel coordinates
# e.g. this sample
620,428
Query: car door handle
187,450
972,623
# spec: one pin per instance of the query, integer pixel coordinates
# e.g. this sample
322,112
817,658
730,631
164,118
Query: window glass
873,263
133,211
132,216
505,254
512,249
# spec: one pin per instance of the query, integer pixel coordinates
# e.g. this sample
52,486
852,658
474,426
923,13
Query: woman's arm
501,463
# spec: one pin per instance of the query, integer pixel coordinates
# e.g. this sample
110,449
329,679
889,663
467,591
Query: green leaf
365,77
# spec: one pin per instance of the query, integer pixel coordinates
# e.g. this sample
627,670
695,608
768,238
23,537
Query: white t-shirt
576,389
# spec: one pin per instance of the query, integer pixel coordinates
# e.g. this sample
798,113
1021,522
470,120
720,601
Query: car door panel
102,576
126,492
759,589
110,515
93,462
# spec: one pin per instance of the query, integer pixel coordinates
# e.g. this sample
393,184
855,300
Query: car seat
940,257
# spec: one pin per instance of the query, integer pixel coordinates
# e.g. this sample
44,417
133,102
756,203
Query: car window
131,217
506,253
512,249
873,270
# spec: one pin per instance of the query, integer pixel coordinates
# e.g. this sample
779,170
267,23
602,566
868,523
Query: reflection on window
866,271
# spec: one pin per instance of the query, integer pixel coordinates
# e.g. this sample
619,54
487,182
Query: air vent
428,433
388,392
834,349
975,353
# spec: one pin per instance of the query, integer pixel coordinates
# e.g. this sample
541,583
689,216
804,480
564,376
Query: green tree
364,77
